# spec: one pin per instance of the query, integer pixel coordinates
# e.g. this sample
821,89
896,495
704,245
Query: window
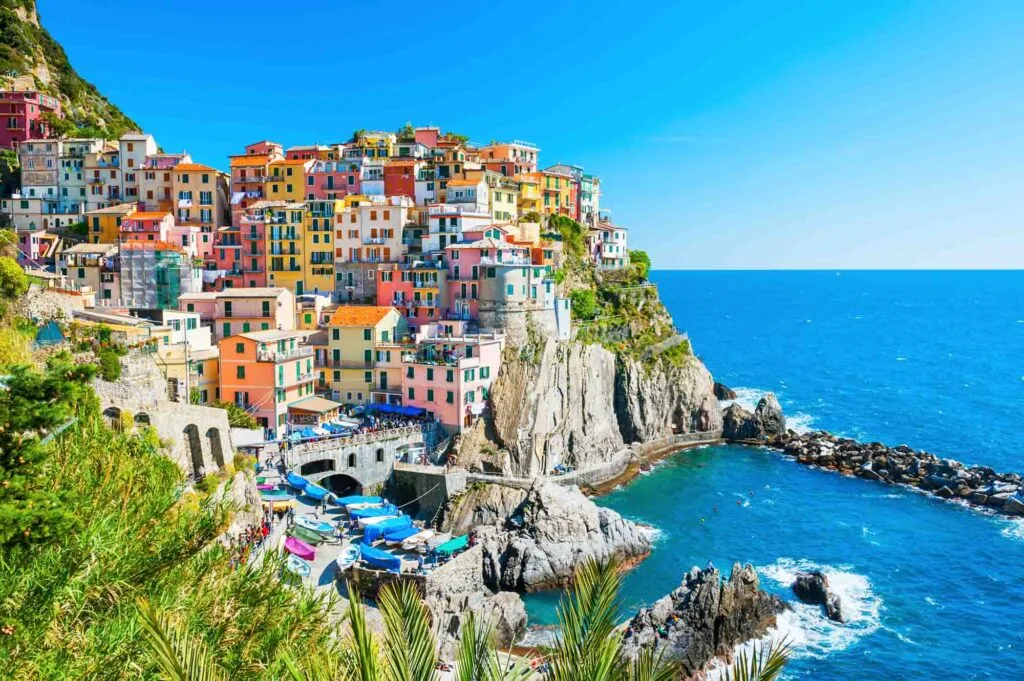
240,348
226,329
430,374
470,396
485,372
410,372
449,375
449,397
412,393
368,377
380,456
336,334
430,395
367,334
240,371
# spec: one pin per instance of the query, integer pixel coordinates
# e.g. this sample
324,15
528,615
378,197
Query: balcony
514,262
375,240
94,180
252,179
275,219
275,355
283,252
184,203
286,268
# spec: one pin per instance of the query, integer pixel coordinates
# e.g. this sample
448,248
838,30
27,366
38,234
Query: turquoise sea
930,359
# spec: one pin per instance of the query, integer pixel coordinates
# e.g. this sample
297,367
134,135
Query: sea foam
809,632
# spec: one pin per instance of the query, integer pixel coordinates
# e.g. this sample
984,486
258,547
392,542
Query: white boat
364,522
416,540
349,555
352,507
433,542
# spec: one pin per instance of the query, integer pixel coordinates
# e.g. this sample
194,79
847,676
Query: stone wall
198,438
364,287
514,320
425,488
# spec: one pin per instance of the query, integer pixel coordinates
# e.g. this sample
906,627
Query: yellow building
364,361
200,200
286,180
203,379
503,194
318,246
372,144
105,223
558,194
284,226
530,197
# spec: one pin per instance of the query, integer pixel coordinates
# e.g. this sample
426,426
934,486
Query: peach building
243,310
265,371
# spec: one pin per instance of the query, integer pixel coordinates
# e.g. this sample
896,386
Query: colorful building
559,190
417,289
369,230
607,244
363,364
510,158
133,149
242,310
200,194
94,266
22,116
449,373
470,262
332,179
156,188
400,177
265,371
284,226
287,180
318,246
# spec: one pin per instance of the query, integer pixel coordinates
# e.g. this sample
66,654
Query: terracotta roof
119,209
194,166
359,315
463,183
249,160
149,215
291,161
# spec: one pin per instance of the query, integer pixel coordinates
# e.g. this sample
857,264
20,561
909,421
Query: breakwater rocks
766,421
813,588
704,618
944,478
547,535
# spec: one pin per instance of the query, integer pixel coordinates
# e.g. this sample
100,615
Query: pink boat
299,548
265,486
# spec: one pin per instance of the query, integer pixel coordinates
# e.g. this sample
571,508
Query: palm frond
477,659
179,656
410,649
648,666
360,642
764,663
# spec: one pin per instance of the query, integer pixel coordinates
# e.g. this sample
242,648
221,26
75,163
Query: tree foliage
584,304
32,406
237,417
641,262
13,280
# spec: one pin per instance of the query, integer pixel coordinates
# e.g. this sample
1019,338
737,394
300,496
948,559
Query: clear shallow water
935,360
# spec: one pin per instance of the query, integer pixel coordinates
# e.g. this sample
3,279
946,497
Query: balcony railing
375,240
276,355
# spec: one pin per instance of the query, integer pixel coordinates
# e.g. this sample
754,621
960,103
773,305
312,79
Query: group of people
250,539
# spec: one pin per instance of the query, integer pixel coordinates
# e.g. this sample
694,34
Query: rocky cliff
549,534
704,618
578,404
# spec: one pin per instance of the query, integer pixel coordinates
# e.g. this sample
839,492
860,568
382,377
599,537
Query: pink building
468,263
156,226
328,180
243,310
21,116
450,373
428,136
417,290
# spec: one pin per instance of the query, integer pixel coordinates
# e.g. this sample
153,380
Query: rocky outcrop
459,589
767,420
724,392
578,405
549,534
554,404
655,398
704,618
813,588
944,478
481,505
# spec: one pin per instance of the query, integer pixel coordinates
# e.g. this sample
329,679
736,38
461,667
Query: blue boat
318,526
399,536
275,495
378,531
296,480
373,512
316,491
380,559
298,566
358,499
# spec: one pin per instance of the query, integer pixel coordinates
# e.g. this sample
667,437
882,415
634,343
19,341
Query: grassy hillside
31,59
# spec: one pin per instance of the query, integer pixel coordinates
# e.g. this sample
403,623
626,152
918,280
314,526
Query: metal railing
276,355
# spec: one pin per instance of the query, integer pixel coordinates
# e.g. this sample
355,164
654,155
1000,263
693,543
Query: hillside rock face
704,618
549,534
575,404
658,400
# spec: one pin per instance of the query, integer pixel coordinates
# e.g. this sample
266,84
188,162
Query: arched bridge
358,461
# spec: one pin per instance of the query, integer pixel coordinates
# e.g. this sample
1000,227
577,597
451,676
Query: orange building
265,371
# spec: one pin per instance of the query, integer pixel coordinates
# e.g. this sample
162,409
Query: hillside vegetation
30,59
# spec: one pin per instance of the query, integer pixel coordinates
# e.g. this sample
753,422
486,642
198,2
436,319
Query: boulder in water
767,421
724,392
812,588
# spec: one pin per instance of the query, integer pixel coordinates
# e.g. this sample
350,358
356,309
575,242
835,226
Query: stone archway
195,449
216,449
342,484
314,467
113,414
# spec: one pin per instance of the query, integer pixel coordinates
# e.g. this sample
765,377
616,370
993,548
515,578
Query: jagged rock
656,398
738,424
768,416
552,532
724,392
812,587
704,618
1013,506
482,505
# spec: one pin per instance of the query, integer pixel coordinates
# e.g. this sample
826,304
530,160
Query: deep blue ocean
931,359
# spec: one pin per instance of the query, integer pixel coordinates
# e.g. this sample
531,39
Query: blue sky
727,134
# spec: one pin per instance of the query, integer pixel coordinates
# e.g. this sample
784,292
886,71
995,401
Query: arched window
380,456
352,460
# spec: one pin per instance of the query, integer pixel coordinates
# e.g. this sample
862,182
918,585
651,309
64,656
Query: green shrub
237,417
584,304
209,483
110,365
